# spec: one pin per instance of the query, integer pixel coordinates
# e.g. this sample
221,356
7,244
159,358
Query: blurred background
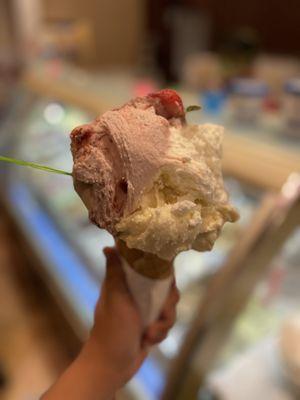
62,62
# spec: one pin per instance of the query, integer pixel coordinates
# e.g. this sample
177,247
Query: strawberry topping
168,103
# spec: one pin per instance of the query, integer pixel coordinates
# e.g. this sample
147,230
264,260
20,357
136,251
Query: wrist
93,360
86,378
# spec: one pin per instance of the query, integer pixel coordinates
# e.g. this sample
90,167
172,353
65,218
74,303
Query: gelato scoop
151,179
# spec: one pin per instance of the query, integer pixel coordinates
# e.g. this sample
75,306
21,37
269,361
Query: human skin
118,343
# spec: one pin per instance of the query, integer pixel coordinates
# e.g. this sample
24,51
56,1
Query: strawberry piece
168,103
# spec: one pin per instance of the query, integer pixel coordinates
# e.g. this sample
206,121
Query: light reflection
54,113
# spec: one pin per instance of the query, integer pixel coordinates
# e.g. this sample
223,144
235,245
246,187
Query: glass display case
236,345
55,223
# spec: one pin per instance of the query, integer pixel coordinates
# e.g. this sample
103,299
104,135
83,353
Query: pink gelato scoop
117,156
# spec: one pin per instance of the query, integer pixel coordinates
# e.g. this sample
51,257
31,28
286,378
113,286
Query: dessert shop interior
65,62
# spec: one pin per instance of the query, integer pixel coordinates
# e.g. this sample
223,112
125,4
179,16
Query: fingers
111,255
115,277
158,330
171,302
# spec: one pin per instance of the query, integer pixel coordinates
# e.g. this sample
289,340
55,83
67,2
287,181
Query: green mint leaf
192,108
34,165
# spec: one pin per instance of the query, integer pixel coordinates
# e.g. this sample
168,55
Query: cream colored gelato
186,205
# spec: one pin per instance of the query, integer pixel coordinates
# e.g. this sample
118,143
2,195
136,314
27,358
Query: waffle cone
146,264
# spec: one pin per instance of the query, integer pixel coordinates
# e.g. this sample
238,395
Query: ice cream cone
149,279
146,264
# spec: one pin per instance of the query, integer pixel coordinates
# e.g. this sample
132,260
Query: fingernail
108,251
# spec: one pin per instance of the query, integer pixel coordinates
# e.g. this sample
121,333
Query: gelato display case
52,218
243,340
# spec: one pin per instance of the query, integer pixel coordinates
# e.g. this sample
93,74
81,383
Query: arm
117,345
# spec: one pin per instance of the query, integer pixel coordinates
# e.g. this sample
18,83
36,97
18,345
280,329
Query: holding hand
118,343
118,333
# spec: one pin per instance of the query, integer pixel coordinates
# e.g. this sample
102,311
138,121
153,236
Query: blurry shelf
260,164
258,372
47,87
68,278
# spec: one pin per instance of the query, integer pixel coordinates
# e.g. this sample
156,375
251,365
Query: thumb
115,276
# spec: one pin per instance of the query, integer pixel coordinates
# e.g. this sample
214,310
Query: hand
118,335
118,344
